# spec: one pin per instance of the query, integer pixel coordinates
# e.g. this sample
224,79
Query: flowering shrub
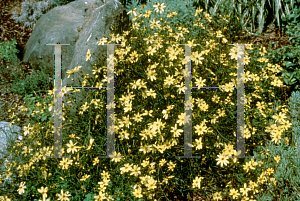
149,120
32,11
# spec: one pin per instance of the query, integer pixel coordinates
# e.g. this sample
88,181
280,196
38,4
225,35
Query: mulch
9,30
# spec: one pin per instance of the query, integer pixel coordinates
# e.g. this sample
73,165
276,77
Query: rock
7,136
103,19
81,24
59,25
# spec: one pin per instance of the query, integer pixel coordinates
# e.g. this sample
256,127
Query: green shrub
32,101
8,53
294,106
291,24
289,56
38,81
8,50
61,2
32,11
286,160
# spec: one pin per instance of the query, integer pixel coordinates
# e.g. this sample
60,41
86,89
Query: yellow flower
234,193
279,117
85,177
150,183
151,93
151,50
245,190
171,166
102,41
217,196
198,11
126,168
132,11
137,192
88,56
26,129
277,158
96,161
155,24
135,170
117,157
65,163
72,147
199,143
196,57
197,182
148,13
176,131
162,162
169,80
73,71
160,148
235,53
200,82
222,159
105,175
181,87
63,196
22,187
91,143
43,191
159,7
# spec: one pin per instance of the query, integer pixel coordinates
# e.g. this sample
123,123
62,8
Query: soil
10,29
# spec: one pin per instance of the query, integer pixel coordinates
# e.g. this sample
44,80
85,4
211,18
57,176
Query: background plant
38,81
8,50
22,83
289,56
261,13
286,16
282,160
32,11
81,177
61,2
8,53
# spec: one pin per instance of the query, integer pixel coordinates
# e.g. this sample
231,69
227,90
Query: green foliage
289,56
31,100
252,13
294,105
61,2
38,81
183,9
292,27
89,197
8,50
289,59
286,170
291,24
8,53
129,2
32,11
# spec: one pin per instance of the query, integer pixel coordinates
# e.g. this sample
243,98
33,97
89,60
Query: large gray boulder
81,24
8,137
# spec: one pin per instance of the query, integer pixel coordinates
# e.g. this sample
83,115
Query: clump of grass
149,123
